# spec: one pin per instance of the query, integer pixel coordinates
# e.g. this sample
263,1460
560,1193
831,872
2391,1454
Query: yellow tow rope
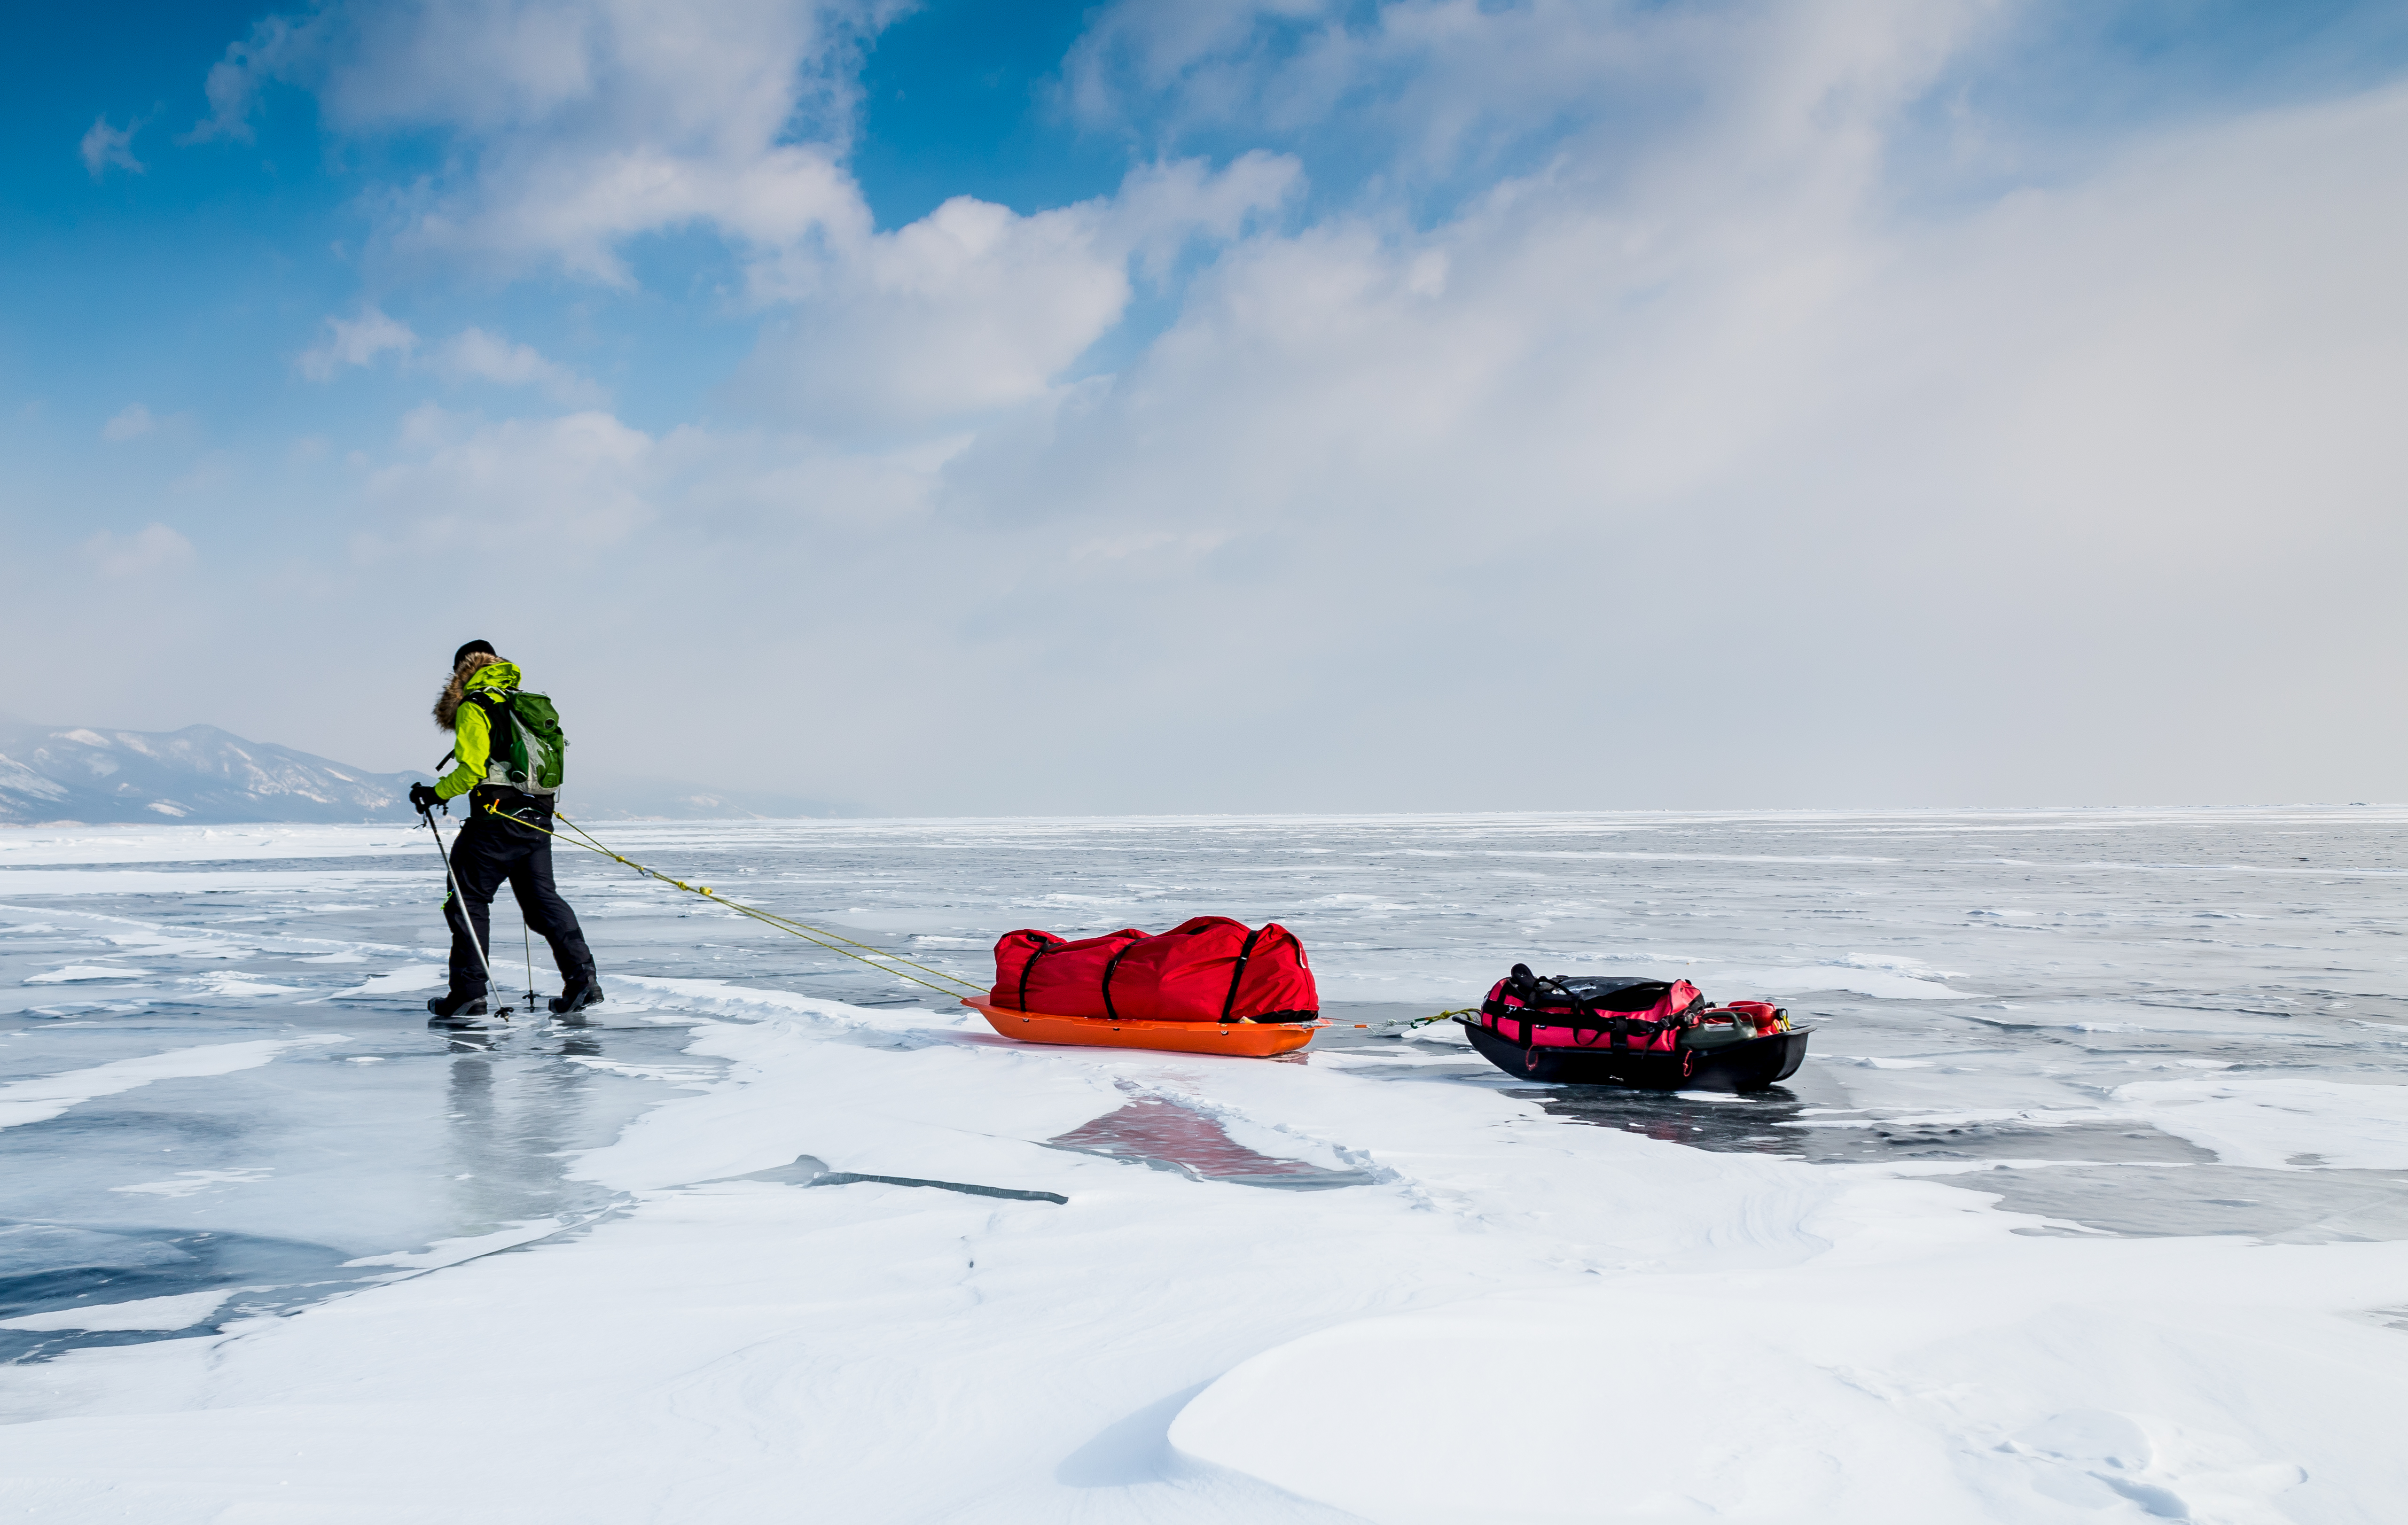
818,935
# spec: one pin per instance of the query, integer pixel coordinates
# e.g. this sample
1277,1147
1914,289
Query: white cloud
153,549
580,126
1164,207
105,146
585,124
1445,86
534,493
1948,504
131,422
975,307
356,341
1690,435
473,354
2017,502
277,46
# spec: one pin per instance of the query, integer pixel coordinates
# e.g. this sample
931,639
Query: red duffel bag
1036,971
1208,969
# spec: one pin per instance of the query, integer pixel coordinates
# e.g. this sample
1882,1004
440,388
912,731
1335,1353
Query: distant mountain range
208,777
200,774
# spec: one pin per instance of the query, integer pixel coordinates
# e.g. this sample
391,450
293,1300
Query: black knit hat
462,655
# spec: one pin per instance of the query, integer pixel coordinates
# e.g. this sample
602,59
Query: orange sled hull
1247,1040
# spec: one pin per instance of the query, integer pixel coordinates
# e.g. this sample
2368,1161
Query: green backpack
537,748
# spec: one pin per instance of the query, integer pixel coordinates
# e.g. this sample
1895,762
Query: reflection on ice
261,1175
1168,1136
1737,1124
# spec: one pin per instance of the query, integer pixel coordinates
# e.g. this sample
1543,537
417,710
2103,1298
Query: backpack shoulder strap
501,740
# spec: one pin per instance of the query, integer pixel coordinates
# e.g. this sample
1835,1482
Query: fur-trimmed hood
477,671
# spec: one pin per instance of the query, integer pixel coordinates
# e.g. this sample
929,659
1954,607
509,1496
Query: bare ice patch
78,973
182,1311
2277,1122
185,1183
36,1101
412,977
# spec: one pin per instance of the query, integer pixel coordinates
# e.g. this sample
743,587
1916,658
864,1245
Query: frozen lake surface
2090,1201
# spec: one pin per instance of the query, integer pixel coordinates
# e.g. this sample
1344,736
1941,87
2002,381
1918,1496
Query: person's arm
472,746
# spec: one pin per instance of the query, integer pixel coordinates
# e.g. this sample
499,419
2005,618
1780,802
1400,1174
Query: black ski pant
484,854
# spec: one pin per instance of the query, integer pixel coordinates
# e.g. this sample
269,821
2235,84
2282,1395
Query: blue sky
1274,355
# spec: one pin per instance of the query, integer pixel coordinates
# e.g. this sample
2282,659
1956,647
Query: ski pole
465,920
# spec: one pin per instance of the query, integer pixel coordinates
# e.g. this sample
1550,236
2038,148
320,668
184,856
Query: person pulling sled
507,745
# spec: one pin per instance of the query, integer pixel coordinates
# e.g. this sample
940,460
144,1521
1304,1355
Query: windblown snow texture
2090,1203
199,775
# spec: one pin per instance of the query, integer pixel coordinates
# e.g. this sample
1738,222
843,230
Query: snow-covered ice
2091,1203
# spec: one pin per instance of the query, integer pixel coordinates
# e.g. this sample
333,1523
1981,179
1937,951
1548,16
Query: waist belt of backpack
509,802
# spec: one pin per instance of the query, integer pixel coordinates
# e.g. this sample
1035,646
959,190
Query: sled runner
1250,1040
1649,1032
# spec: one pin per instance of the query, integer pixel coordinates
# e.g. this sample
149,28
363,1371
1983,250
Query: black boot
581,991
457,1010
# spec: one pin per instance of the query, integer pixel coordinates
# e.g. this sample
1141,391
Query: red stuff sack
1208,969
1587,1013
1036,971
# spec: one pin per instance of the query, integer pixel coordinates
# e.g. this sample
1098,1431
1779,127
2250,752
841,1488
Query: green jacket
472,743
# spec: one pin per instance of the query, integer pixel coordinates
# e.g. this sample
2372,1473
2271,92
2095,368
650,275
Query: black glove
423,798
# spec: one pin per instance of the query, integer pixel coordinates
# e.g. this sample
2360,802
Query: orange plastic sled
1249,1040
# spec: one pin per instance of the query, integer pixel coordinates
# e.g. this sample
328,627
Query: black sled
1750,1064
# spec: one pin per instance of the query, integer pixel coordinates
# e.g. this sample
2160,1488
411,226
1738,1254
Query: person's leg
549,916
479,861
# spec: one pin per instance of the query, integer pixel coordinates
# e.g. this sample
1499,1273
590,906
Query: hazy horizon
1223,407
